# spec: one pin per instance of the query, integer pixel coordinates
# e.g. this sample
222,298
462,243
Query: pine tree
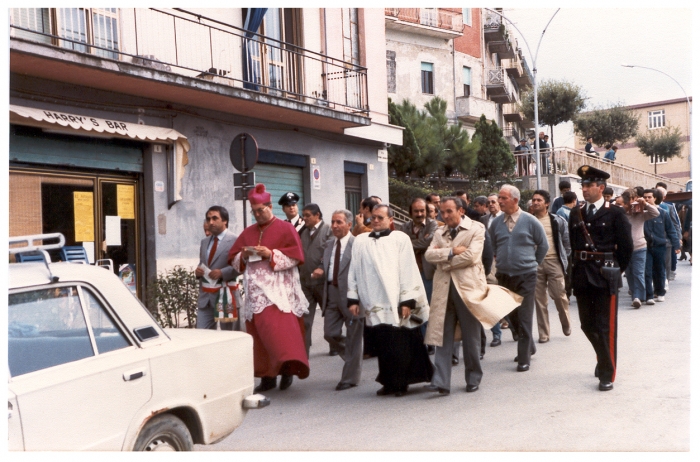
494,163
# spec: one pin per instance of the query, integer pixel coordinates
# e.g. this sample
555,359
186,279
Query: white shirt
597,204
297,222
313,230
343,245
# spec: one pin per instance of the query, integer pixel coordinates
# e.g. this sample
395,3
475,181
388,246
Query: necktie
590,212
213,250
336,264
453,233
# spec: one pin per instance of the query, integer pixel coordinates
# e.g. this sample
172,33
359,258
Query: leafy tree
494,163
662,143
614,124
557,102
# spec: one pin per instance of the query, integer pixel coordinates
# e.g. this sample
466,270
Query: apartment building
655,116
466,56
122,120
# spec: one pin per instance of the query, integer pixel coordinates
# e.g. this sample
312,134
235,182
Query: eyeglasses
255,212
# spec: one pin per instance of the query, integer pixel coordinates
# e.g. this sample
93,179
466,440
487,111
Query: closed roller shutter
32,146
279,179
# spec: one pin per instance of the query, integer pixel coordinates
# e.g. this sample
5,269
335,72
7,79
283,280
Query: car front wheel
164,433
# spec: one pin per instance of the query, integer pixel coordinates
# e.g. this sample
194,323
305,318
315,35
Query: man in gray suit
213,254
336,261
314,237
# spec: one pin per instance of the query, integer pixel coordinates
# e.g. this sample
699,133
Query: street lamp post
534,85
690,108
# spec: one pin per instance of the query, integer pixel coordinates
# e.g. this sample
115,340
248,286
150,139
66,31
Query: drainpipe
454,81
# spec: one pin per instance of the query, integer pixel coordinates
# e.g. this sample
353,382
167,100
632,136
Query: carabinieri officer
601,241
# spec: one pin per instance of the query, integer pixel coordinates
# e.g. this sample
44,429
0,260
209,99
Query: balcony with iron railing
525,80
499,88
494,27
434,22
187,58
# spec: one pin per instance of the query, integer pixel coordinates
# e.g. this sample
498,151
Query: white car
90,369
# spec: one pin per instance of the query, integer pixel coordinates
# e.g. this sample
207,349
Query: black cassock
403,358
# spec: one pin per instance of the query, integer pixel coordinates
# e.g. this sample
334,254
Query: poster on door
125,201
84,216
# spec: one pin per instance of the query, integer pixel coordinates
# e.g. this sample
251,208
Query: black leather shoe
472,388
344,386
455,361
401,392
383,391
515,360
516,337
267,383
523,367
496,342
431,349
332,353
605,386
286,382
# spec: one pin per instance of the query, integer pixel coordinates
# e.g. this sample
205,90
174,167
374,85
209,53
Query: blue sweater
521,250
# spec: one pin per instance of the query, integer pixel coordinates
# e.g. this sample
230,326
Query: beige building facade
656,116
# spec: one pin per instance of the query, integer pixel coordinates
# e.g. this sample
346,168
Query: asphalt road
556,406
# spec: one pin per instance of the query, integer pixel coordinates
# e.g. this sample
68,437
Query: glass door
117,219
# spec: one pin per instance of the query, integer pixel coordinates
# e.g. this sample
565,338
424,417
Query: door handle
133,375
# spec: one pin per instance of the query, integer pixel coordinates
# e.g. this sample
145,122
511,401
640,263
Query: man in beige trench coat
461,296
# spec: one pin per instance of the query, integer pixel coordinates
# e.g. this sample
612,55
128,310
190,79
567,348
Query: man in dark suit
288,201
601,241
314,238
336,261
213,255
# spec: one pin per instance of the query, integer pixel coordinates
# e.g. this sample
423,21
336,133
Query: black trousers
520,318
598,317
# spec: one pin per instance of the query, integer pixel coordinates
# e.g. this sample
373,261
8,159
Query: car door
14,425
77,378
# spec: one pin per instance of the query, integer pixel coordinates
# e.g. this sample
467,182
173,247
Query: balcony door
276,55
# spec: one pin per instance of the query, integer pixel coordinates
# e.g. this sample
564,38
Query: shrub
174,292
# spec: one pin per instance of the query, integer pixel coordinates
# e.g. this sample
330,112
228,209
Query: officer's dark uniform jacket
610,231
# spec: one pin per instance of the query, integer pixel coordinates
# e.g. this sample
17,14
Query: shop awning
94,126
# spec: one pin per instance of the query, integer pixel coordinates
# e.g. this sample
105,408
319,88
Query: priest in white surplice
385,280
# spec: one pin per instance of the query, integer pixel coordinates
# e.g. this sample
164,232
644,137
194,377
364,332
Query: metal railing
565,161
433,17
498,76
401,216
196,46
512,132
492,20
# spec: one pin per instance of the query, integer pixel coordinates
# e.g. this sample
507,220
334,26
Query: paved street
556,406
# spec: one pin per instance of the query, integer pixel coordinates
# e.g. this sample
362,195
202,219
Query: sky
587,47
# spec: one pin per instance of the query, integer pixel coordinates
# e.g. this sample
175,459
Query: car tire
164,433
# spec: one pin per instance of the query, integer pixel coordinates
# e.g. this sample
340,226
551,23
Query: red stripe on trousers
611,339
